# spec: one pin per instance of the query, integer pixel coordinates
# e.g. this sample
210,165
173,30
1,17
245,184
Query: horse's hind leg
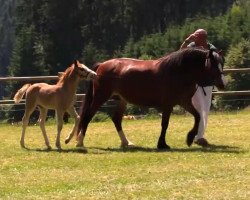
59,120
41,120
117,119
193,132
73,113
89,111
29,108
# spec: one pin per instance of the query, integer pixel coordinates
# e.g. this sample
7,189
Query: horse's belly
142,98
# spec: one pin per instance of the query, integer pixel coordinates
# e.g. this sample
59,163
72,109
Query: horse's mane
182,56
65,74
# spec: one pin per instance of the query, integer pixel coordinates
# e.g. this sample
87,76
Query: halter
208,61
208,81
87,72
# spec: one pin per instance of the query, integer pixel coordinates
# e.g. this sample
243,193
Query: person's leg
202,102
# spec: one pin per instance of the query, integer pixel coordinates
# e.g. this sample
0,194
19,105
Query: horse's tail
19,95
87,101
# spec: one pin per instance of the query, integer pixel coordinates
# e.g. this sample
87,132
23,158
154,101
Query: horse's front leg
59,119
193,132
74,114
164,125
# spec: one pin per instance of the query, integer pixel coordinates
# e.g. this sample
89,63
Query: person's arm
189,39
185,44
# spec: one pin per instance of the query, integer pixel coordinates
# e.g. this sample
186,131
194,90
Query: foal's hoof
22,145
49,148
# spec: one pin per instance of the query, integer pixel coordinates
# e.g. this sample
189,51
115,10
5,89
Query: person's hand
191,38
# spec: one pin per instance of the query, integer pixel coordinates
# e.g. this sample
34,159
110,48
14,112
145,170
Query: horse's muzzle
220,84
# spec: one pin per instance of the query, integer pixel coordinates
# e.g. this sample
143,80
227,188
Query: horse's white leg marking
124,141
80,140
59,118
41,120
202,104
74,114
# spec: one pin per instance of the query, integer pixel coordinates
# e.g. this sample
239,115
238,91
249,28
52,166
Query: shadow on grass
99,150
210,149
71,150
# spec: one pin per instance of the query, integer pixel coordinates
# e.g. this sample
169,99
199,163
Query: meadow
103,170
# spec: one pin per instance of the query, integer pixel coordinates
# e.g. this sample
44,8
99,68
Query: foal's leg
73,113
117,119
164,125
29,108
59,119
193,132
41,120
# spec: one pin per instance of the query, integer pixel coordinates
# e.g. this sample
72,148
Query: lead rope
204,91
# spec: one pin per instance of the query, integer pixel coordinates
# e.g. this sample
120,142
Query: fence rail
80,96
241,70
48,78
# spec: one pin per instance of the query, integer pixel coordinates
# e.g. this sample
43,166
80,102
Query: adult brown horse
162,83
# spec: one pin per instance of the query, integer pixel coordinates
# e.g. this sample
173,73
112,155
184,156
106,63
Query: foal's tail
19,95
87,102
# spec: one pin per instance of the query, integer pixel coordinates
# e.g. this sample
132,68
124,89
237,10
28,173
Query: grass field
105,171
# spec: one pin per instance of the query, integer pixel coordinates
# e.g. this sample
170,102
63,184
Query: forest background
42,37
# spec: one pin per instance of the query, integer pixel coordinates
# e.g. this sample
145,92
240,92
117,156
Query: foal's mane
65,74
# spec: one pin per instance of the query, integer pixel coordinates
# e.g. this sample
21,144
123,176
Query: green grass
105,171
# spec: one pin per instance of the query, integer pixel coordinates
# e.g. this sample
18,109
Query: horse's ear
76,63
221,53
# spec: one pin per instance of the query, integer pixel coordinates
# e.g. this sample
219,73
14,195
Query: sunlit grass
105,171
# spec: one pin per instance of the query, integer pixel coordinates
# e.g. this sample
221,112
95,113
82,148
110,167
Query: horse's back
123,65
136,81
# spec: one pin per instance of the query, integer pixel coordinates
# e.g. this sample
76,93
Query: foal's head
214,68
83,71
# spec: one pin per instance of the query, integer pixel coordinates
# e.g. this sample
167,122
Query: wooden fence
80,96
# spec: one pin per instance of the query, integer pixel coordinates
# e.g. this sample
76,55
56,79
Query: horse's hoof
190,138
79,145
49,148
22,145
128,145
67,141
163,147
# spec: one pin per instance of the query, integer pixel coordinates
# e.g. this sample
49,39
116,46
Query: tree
237,57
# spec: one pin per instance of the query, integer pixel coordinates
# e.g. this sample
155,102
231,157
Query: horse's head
83,71
214,68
